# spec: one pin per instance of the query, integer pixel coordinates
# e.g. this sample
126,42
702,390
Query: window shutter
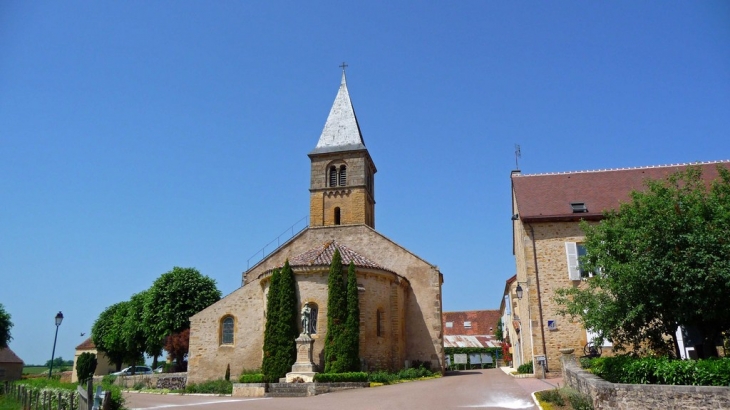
571,249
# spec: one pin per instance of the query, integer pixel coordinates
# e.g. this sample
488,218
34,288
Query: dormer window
578,207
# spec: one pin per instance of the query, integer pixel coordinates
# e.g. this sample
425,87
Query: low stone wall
617,396
311,389
172,381
249,390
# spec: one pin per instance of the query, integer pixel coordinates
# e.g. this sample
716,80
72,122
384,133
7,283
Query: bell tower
342,188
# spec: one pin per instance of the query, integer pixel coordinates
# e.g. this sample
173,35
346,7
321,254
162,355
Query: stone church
400,293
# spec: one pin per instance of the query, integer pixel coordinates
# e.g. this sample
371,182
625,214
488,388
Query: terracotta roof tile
87,344
543,197
8,356
322,256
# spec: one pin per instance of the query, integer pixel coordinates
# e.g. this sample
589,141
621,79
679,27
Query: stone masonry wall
552,274
616,396
354,201
208,358
422,302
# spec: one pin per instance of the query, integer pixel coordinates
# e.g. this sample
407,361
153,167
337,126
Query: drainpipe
539,297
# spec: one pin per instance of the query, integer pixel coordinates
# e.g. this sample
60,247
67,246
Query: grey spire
341,131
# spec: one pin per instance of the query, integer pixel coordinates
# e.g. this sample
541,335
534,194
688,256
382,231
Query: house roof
483,322
341,131
548,197
8,356
87,344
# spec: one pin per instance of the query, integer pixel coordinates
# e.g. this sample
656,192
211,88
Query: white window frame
467,324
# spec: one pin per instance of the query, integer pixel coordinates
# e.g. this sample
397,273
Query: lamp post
59,319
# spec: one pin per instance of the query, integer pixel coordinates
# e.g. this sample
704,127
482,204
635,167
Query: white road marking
166,406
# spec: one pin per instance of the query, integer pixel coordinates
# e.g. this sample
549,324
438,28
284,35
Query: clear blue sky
138,136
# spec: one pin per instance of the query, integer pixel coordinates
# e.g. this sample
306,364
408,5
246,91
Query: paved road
484,389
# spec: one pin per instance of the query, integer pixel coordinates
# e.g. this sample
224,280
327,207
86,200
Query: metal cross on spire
343,66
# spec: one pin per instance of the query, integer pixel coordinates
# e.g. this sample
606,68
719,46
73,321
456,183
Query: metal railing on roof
287,234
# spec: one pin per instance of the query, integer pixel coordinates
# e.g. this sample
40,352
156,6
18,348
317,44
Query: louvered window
343,175
333,177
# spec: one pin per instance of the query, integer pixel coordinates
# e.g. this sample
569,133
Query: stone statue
306,319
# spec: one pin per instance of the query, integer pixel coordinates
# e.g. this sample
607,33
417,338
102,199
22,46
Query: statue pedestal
304,367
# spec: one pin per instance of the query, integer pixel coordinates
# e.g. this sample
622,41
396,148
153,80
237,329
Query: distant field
35,369
42,369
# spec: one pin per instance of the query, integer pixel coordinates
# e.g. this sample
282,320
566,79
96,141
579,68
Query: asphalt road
484,389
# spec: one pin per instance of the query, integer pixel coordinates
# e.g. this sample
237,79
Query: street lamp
519,290
59,319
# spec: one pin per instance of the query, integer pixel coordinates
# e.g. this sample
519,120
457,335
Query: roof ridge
724,161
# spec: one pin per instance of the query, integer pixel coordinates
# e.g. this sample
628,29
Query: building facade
399,293
547,242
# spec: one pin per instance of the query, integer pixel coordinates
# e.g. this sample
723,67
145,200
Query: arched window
333,176
343,175
337,216
227,330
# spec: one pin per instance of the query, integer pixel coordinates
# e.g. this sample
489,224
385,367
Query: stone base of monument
303,370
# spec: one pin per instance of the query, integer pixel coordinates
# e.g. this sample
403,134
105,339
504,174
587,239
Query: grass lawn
7,403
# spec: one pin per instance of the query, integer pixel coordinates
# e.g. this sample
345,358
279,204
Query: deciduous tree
661,260
5,326
173,298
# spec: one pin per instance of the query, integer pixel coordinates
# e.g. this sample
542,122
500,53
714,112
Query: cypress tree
287,324
336,317
272,310
352,325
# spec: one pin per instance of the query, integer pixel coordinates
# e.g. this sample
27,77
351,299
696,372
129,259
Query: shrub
525,368
85,366
382,377
211,387
252,378
551,396
579,401
651,370
341,377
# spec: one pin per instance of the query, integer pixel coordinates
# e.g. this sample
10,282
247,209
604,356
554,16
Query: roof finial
343,66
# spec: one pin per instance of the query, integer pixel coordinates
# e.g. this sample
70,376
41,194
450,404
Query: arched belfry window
333,176
337,216
227,330
343,175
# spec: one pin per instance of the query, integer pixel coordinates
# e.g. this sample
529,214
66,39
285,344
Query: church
399,293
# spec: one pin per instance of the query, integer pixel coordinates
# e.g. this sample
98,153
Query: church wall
208,358
422,306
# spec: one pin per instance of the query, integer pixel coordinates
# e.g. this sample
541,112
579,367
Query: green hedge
211,387
252,378
341,377
405,374
652,370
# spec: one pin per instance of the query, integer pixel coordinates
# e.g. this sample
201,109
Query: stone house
547,242
103,365
11,366
472,328
400,293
